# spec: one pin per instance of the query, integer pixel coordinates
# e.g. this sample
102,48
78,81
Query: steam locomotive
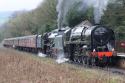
84,43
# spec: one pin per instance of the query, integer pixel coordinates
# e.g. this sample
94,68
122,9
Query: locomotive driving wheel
93,61
77,54
84,60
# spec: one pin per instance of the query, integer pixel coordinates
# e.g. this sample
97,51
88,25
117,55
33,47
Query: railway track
116,70
108,68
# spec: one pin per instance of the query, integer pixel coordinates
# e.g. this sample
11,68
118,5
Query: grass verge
19,67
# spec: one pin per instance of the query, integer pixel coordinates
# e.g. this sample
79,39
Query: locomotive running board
76,42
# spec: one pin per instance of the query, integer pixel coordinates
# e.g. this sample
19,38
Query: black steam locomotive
87,44
84,43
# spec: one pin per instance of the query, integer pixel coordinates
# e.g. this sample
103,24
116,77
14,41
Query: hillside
4,16
18,67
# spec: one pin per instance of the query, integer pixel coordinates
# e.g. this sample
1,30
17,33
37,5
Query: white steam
63,7
60,12
61,58
60,52
41,54
99,7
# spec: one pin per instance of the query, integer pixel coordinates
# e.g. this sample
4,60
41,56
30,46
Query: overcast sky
15,5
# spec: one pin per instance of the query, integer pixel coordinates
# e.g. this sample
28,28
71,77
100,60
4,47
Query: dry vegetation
18,67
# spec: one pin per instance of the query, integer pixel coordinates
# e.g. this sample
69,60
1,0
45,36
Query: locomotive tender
84,43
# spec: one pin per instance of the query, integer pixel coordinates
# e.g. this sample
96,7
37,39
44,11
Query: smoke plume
41,54
61,57
63,7
99,7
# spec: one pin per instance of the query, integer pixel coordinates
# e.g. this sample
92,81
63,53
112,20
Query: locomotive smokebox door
58,48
